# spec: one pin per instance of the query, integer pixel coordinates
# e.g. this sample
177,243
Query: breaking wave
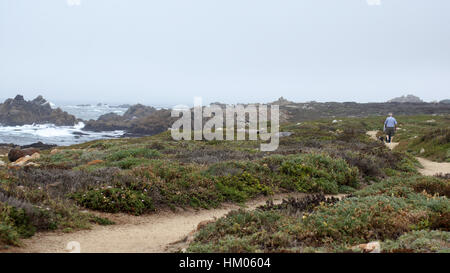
52,134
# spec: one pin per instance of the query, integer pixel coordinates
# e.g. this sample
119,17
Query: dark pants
390,131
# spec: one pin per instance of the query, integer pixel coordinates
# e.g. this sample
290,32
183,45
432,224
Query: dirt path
429,167
373,135
432,168
148,233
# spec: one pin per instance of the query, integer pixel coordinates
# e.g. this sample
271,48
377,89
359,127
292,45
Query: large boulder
372,247
18,111
138,120
138,111
23,161
15,154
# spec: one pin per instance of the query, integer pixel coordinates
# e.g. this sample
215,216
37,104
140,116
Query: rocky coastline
140,120
18,111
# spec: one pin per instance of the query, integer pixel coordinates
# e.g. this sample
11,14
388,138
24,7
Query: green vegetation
424,136
422,241
377,212
143,175
433,144
14,224
115,200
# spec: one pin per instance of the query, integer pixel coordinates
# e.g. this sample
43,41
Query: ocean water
51,134
89,112
61,135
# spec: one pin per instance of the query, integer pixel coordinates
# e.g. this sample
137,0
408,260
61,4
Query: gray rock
407,98
284,134
18,111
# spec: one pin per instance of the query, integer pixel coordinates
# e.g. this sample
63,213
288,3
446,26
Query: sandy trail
429,167
432,168
373,135
135,234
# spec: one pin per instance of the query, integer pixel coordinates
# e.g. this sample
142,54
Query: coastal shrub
368,165
234,168
14,224
134,153
157,145
63,159
319,172
304,173
307,179
432,186
404,186
101,220
89,156
8,235
215,153
57,183
402,223
130,162
115,200
420,241
435,144
243,232
241,187
359,220
101,144
176,185
407,164
40,210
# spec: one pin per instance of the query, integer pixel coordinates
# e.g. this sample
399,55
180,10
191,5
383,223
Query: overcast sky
164,52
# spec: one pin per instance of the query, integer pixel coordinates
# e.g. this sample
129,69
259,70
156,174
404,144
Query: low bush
170,184
358,220
101,221
319,172
243,231
403,186
134,153
433,186
240,188
421,241
14,224
115,200
130,162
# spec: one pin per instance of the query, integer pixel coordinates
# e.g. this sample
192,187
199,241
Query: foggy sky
168,51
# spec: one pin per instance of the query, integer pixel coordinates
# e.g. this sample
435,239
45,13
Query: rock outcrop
23,161
407,98
137,120
39,145
15,154
372,247
18,111
282,101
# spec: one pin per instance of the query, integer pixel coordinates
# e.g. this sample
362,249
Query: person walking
390,125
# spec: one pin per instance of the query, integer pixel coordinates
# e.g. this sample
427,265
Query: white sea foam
52,105
51,134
